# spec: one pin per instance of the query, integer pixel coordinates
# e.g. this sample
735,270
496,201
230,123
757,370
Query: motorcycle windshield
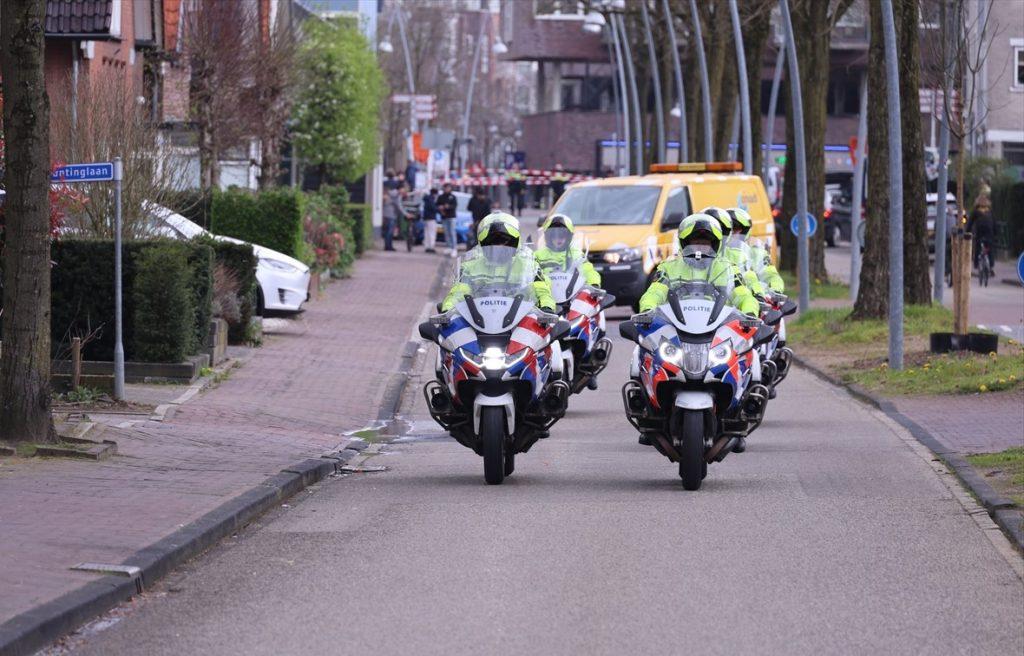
499,271
703,275
758,256
565,275
739,251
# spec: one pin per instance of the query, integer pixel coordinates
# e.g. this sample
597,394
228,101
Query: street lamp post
773,99
892,96
741,66
659,117
464,141
797,107
638,154
684,145
705,86
595,23
623,91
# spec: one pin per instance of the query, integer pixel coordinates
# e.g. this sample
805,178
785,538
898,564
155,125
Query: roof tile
65,17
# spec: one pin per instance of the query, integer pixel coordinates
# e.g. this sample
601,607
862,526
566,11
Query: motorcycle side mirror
438,306
772,317
788,308
763,335
627,330
607,301
429,331
561,329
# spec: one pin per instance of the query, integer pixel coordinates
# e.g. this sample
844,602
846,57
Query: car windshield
498,271
610,205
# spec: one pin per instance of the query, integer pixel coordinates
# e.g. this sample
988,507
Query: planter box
217,341
140,372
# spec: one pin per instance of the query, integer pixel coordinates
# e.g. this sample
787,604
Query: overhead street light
594,22
499,47
385,46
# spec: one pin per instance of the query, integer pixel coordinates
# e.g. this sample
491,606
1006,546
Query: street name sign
89,172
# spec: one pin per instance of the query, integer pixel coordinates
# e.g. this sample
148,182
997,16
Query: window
1018,64
1013,153
677,208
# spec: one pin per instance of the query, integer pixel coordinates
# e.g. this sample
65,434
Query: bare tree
25,362
112,122
273,92
217,41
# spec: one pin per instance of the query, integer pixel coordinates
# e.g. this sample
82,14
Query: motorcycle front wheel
492,436
692,467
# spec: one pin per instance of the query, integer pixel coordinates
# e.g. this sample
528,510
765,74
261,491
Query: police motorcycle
776,357
691,390
585,348
497,389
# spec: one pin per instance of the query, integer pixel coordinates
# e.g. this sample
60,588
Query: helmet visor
557,238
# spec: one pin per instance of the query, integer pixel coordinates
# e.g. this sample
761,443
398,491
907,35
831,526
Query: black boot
741,446
645,439
592,383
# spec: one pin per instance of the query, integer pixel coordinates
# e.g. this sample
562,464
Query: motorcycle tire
492,437
510,463
691,449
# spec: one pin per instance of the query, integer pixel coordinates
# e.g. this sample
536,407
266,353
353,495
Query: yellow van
630,223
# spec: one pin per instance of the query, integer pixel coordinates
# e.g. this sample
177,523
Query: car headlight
622,255
720,354
279,265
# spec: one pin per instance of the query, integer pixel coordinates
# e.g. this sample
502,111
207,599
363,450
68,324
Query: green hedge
271,218
242,261
362,226
1007,201
193,204
82,288
164,313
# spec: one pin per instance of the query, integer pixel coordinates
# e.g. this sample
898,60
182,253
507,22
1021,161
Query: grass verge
857,351
1004,470
828,288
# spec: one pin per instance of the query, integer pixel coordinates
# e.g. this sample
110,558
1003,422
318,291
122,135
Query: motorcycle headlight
494,358
720,354
669,352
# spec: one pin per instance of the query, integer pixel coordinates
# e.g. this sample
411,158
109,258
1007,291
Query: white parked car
283,280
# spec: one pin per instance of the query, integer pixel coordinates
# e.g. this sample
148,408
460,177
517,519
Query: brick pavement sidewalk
295,397
969,423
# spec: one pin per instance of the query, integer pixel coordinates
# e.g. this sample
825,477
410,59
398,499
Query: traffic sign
1020,267
90,172
812,224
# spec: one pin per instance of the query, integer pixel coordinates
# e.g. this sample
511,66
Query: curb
34,629
1001,509
399,381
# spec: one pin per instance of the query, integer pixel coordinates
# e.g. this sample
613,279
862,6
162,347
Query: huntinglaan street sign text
91,172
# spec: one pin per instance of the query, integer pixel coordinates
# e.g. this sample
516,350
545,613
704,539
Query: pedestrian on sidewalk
516,182
430,215
391,212
558,181
479,207
446,205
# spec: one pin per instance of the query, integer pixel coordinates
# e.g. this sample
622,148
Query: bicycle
984,264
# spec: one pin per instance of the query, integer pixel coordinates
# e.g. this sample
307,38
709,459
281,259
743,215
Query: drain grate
129,571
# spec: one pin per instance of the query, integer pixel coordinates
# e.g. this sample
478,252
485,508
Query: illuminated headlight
279,265
622,255
669,352
494,358
720,354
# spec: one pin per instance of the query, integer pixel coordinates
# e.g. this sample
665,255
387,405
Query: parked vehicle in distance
838,207
932,201
283,280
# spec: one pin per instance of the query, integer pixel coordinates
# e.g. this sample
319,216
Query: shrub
241,261
362,226
164,314
226,304
272,218
329,231
1007,201
193,204
82,289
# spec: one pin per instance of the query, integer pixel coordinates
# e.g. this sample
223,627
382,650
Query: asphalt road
834,533
999,307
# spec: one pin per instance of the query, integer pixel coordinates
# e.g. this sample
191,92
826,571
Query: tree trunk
873,296
756,27
25,363
916,269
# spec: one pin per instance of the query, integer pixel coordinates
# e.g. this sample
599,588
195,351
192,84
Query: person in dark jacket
447,205
479,207
982,226
429,216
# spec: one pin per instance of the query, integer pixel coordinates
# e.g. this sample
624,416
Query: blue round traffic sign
812,224
1020,267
